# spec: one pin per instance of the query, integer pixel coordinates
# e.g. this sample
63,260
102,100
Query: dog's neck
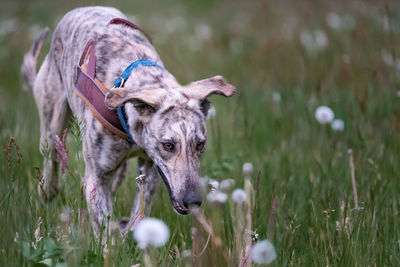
118,47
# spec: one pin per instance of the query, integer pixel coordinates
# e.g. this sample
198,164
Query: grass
303,197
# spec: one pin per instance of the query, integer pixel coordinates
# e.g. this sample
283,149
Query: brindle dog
166,120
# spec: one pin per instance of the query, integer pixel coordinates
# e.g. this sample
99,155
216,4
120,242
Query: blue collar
120,82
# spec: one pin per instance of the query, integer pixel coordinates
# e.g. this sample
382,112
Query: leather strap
93,92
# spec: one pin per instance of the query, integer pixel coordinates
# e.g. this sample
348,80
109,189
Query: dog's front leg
147,168
99,201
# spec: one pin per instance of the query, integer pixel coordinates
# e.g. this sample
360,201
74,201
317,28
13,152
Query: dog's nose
191,198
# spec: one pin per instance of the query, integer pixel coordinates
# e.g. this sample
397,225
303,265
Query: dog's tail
28,69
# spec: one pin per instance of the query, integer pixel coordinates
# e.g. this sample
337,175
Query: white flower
203,31
324,114
239,196
320,38
217,196
247,169
337,125
386,23
276,97
211,113
64,215
387,57
263,252
214,183
333,20
227,184
307,40
313,42
151,231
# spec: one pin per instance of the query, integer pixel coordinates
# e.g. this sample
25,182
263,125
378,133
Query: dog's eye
200,146
168,146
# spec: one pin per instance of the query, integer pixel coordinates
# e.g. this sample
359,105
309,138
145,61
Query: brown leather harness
93,92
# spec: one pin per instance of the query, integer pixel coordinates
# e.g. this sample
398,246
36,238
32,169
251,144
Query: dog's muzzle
190,199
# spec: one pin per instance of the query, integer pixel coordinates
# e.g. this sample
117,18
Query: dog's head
170,125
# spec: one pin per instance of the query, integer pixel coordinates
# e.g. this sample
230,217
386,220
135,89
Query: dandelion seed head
247,169
387,57
227,184
324,114
239,196
333,20
263,252
276,97
64,215
337,125
214,183
151,231
320,38
203,31
217,196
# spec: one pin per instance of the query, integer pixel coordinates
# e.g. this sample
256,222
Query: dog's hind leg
54,112
149,186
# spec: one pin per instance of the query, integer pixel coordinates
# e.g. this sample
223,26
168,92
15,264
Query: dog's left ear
144,100
200,90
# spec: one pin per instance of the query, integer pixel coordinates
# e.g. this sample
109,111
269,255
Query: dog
164,121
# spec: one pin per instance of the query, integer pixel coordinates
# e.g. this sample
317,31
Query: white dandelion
203,31
276,97
239,196
324,114
65,215
333,20
313,42
227,184
217,196
214,184
387,57
151,231
307,40
247,169
337,125
263,252
320,39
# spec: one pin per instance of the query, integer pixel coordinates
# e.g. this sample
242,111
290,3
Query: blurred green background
286,58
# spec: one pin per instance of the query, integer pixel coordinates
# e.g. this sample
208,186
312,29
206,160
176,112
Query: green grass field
286,59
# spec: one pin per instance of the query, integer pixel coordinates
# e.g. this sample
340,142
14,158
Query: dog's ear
145,101
202,89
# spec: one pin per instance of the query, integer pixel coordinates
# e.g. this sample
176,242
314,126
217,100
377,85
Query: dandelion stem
353,178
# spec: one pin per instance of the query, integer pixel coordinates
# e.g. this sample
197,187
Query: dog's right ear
145,101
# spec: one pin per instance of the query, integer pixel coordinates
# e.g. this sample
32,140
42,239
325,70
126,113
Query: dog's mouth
178,207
